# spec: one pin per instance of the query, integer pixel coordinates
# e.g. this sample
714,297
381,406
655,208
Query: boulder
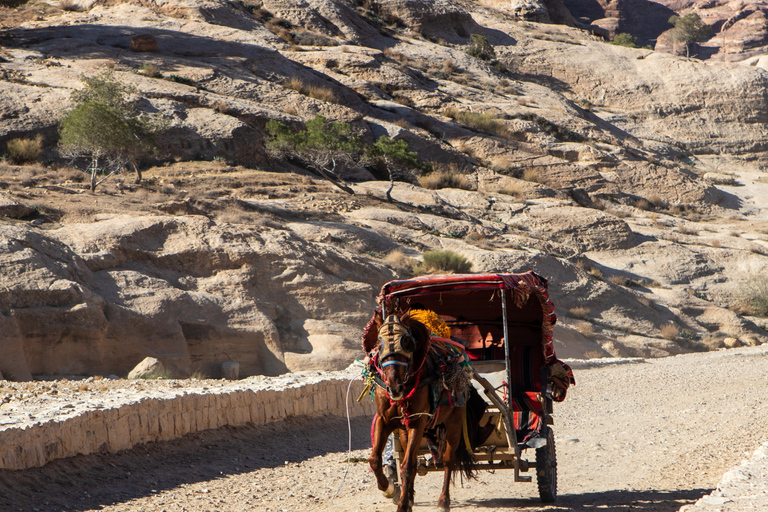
12,208
147,367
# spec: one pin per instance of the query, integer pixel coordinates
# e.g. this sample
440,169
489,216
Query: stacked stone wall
161,416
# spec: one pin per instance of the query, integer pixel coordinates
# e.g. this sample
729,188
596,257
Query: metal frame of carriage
487,310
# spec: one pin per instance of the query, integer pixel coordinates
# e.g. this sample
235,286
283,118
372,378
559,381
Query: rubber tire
546,469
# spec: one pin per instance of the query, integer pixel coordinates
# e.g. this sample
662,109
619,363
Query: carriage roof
526,294
451,282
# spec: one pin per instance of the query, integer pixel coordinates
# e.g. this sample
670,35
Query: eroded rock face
579,227
184,290
740,29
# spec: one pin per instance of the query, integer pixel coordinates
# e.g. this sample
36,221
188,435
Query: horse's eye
408,343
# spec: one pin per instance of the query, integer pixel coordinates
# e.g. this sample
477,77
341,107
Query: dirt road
651,436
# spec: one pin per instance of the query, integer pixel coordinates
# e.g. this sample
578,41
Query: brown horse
403,402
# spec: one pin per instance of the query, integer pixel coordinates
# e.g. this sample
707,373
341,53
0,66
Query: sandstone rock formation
147,367
590,166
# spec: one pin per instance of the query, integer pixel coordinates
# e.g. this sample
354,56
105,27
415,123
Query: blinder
395,339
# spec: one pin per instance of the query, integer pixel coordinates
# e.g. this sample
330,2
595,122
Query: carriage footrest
524,478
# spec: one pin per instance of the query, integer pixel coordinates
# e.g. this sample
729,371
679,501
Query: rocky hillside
632,179
739,29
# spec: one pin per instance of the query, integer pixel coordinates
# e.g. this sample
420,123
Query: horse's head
402,347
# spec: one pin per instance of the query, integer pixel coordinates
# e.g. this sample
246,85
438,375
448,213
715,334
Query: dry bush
643,204
397,260
755,296
596,272
150,70
578,312
669,332
715,243
322,93
534,176
676,210
586,328
446,179
487,123
111,64
501,164
687,230
402,123
222,107
734,234
449,66
444,262
25,151
657,201
655,284
70,5
515,190
294,83
402,100
619,280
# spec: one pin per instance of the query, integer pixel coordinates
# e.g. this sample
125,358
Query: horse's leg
411,439
453,431
380,434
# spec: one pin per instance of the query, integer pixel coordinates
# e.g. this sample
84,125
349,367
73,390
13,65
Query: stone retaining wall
742,489
130,419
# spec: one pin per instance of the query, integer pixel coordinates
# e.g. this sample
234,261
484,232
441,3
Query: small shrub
446,179
306,38
579,312
294,83
586,328
533,175
198,375
480,48
515,190
619,280
71,6
444,261
657,201
322,93
151,70
596,272
487,123
643,204
398,261
686,230
402,100
25,151
625,39
669,332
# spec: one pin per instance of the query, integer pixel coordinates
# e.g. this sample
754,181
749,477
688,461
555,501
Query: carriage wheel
546,469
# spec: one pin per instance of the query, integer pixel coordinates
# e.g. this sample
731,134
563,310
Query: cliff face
600,162
739,29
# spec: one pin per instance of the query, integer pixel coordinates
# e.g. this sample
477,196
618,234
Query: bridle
395,338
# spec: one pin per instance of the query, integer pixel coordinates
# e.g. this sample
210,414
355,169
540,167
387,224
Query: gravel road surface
648,436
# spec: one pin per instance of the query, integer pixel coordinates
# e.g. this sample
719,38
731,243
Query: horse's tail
474,410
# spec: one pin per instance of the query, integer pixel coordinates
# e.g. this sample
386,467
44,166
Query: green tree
625,39
396,156
324,146
689,29
106,126
480,48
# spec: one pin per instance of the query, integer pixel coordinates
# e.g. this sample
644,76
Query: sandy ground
649,436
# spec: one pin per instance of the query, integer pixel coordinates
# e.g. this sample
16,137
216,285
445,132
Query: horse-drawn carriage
497,329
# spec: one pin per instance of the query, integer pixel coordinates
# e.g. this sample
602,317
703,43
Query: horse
402,399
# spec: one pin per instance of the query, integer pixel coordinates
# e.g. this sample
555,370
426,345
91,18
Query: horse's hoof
391,490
